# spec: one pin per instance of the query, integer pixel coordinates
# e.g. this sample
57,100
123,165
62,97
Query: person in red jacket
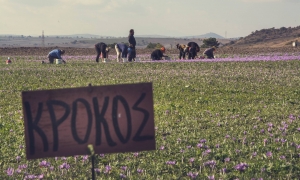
158,54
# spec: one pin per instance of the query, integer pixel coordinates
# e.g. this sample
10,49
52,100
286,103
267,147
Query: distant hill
270,37
207,35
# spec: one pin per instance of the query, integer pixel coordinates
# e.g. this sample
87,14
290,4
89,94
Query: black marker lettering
138,136
115,118
100,119
33,125
56,123
73,121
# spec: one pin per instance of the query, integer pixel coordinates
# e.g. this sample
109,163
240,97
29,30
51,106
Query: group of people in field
127,52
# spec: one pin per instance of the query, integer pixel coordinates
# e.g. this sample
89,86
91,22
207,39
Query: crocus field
235,117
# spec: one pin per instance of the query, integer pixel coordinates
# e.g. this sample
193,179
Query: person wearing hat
132,44
193,48
55,54
209,53
158,54
122,50
103,50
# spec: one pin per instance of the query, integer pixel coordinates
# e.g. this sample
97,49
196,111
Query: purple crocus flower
18,170
64,166
21,146
269,154
140,170
97,170
41,176
167,112
30,176
292,117
192,175
270,124
211,163
18,158
200,145
107,169
135,154
122,176
101,155
124,168
224,170
171,162
227,159
192,160
162,147
10,171
51,168
211,177
44,164
283,140
241,167
23,166
84,158
202,141
282,157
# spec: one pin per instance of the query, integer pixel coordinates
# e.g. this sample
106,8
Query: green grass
192,101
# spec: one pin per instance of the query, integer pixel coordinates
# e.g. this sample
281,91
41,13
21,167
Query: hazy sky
146,17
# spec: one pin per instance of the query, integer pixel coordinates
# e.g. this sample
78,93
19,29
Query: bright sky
146,17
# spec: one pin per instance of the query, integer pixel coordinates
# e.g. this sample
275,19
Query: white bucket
137,59
125,60
58,61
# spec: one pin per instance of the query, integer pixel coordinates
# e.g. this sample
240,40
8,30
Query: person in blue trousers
122,51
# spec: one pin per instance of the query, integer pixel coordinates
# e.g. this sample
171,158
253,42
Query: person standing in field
209,53
101,49
122,51
193,49
158,54
55,54
132,44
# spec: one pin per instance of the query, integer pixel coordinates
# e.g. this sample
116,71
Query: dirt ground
70,51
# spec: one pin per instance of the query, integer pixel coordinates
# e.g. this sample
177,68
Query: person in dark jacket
193,49
102,50
209,53
132,44
55,54
183,49
158,54
122,50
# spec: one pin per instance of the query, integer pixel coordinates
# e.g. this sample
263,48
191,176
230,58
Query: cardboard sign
62,122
